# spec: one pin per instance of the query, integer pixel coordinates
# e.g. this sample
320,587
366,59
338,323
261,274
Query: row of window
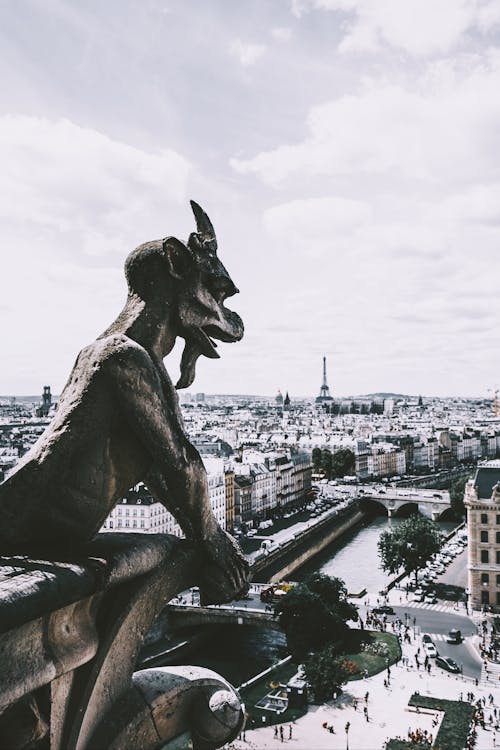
485,597
110,524
485,536
485,518
485,556
485,578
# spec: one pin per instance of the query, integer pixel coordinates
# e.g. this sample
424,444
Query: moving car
384,609
426,638
454,636
446,663
430,598
418,595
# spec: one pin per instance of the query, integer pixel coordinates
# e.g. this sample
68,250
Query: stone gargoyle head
191,279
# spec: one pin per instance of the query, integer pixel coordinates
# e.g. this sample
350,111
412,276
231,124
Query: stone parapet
70,634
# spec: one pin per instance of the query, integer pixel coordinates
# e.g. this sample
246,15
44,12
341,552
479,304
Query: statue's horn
203,224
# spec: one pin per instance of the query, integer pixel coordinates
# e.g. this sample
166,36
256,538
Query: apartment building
482,500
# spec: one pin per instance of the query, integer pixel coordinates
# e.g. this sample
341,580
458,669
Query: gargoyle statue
118,420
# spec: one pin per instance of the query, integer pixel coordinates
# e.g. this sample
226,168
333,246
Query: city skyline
347,154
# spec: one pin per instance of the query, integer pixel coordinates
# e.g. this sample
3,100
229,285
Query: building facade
482,500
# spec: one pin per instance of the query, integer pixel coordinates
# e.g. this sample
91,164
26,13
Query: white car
430,599
430,650
418,595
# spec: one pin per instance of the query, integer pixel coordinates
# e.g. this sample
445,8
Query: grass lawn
373,663
454,726
456,720
258,690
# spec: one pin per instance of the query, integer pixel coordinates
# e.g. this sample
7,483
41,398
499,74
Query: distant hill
385,395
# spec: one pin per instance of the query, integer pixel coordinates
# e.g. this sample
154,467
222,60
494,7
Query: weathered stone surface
165,702
118,420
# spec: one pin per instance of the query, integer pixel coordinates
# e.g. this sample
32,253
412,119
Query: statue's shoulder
115,351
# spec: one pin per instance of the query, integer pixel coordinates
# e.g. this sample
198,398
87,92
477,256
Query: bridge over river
246,612
430,503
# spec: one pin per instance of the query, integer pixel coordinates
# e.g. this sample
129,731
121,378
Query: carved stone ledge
72,630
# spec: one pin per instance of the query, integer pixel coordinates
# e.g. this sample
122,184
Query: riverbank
304,546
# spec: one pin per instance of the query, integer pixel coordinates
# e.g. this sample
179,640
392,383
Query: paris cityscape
307,486
249,394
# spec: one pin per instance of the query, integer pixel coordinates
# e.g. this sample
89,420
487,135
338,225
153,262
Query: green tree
343,462
457,491
316,458
409,546
326,462
314,614
325,672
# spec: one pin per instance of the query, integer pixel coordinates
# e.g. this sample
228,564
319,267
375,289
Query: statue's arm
177,476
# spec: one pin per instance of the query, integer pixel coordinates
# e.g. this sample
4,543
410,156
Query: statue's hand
225,574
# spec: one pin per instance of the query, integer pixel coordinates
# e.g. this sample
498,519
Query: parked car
384,609
418,595
446,663
430,650
454,636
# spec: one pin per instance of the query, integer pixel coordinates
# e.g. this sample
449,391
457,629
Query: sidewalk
388,712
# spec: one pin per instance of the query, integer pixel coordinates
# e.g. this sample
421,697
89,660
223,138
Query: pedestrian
385,683
275,731
365,711
367,695
355,704
281,732
290,732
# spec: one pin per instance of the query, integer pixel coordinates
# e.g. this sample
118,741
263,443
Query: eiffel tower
324,391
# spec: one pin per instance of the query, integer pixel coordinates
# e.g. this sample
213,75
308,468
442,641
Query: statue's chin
188,365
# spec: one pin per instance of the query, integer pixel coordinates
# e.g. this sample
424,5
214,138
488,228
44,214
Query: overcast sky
347,151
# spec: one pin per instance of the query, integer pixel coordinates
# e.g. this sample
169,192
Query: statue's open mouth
203,340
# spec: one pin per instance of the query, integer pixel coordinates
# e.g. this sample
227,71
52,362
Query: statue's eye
219,288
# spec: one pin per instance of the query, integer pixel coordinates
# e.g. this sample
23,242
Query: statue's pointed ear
178,257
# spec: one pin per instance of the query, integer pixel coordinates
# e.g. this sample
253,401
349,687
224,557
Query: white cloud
59,177
73,204
446,127
315,219
282,33
419,28
246,53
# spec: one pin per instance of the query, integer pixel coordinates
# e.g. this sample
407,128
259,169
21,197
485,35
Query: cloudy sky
347,151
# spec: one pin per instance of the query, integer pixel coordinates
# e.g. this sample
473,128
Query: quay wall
282,562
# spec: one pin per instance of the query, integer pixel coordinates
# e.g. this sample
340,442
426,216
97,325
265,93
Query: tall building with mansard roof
482,500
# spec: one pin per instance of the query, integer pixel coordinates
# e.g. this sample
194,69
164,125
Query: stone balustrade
70,634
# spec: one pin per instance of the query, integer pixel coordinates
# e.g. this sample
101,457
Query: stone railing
70,634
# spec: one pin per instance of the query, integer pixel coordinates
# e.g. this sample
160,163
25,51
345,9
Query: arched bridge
185,616
430,503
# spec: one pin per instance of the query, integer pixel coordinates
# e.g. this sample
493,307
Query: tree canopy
338,464
326,672
410,545
457,491
314,614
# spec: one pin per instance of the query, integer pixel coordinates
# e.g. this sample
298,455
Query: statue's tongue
188,365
